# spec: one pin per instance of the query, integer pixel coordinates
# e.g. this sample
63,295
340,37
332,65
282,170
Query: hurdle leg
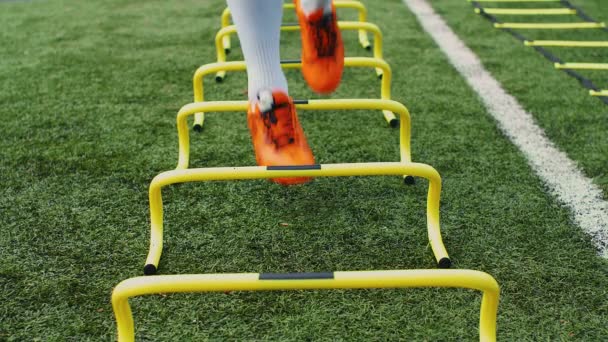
156,231
226,22
364,41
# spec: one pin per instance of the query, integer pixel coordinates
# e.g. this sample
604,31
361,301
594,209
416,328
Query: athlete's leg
311,6
258,24
278,138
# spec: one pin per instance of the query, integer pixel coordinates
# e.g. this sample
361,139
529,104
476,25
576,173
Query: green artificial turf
89,92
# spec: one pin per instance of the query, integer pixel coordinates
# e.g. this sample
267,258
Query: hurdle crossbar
527,11
356,5
343,25
467,279
582,66
207,69
550,26
566,43
342,104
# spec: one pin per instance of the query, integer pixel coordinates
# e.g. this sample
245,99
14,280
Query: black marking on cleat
149,269
291,61
293,167
296,276
444,263
300,101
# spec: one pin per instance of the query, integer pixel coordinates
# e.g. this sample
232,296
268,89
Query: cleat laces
280,130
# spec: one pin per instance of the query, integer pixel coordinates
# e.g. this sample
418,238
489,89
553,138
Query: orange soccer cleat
322,49
278,138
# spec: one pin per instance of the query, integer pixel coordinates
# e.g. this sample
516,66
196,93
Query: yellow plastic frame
207,69
566,43
598,93
342,104
550,26
582,66
467,279
263,172
527,11
357,5
343,25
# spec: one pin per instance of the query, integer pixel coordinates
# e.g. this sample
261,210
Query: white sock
309,6
258,23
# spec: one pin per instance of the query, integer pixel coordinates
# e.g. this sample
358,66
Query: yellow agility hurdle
357,5
343,104
550,26
582,66
527,11
207,69
343,25
566,43
467,279
268,172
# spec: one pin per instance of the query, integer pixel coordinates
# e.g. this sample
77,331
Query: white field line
562,176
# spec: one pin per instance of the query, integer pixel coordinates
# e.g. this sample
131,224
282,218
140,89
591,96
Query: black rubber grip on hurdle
291,61
300,101
296,276
149,269
444,263
293,167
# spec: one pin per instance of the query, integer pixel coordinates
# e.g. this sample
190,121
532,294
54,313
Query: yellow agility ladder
467,279
567,8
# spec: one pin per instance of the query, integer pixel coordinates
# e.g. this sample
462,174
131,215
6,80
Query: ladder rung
527,11
582,66
566,43
598,93
550,26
